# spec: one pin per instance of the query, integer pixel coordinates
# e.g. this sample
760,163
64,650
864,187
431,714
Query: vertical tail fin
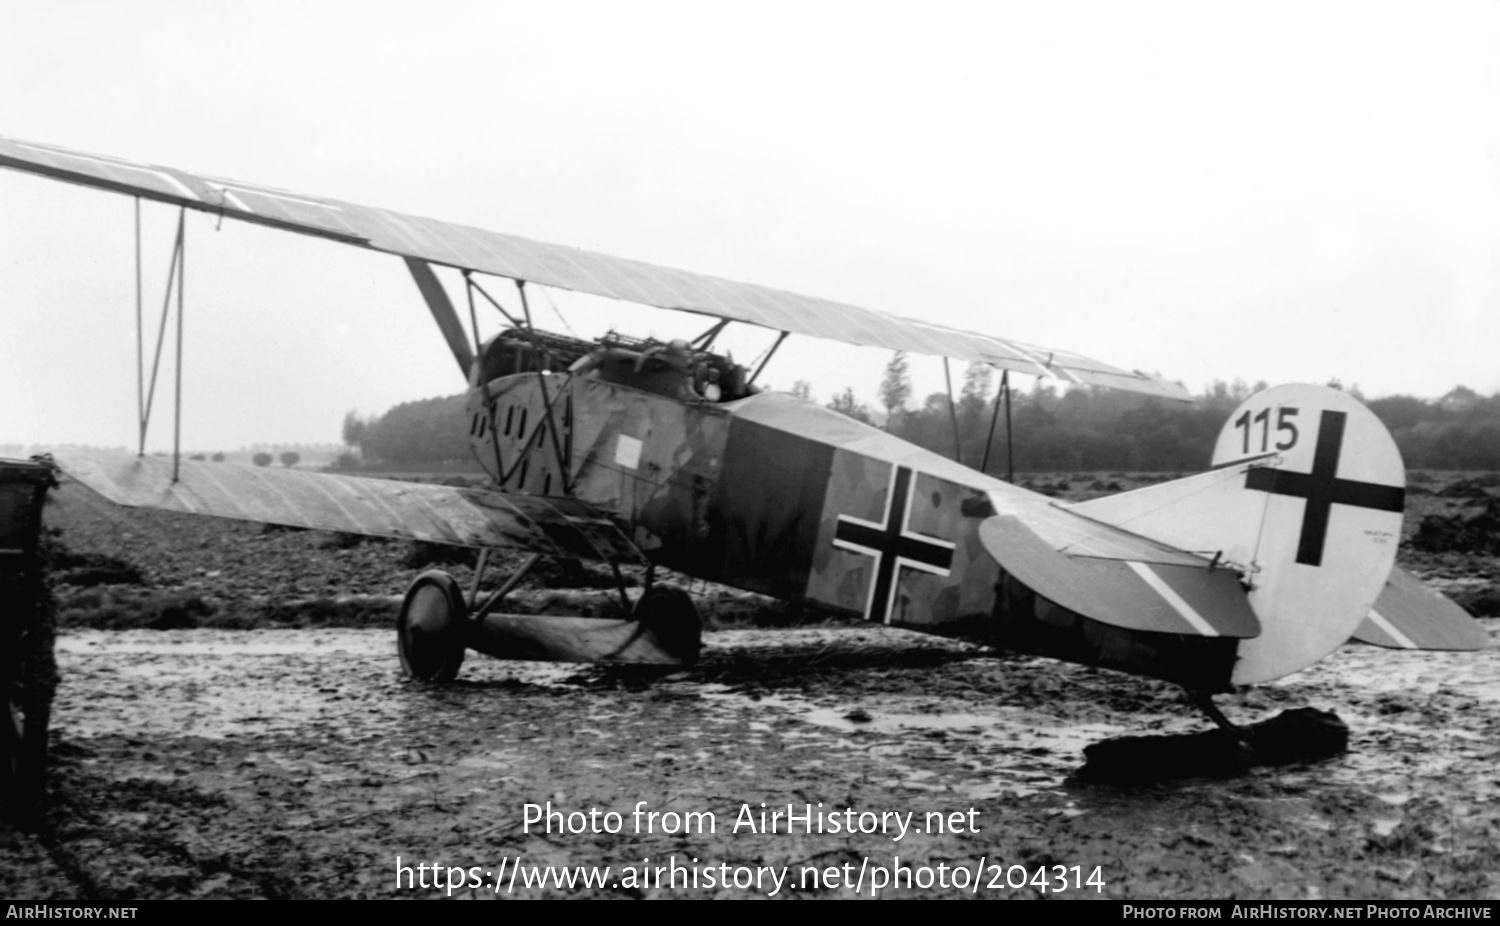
1305,500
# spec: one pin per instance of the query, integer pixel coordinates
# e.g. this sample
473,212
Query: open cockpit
674,369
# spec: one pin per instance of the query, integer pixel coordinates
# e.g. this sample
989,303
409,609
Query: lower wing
377,507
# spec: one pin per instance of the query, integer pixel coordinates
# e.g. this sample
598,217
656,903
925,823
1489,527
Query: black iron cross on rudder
893,545
1323,489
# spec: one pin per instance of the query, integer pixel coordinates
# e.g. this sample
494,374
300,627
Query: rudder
1305,499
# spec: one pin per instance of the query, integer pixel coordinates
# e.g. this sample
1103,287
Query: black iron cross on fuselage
892,545
1323,489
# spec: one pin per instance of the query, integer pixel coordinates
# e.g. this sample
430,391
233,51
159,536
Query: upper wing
518,258
378,507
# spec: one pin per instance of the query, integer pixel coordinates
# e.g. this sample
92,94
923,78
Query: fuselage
778,495
770,493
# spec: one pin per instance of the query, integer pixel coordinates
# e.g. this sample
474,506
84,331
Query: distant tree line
1459,431
1076,430
288,458
1080,429
424,432
1086,429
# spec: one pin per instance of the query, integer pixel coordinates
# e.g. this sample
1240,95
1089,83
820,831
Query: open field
197,759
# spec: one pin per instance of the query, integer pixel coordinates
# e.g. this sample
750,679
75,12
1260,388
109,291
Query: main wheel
430,628
670,614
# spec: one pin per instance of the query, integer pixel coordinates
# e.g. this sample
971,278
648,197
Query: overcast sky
1286,192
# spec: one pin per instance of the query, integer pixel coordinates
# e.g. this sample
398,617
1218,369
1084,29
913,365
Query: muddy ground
292,761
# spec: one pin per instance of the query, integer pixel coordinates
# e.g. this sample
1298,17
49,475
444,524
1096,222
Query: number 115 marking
1263,418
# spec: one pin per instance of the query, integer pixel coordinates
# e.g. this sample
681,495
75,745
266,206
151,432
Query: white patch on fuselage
627,452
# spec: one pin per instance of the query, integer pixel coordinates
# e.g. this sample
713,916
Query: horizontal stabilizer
351,504
1179,599
1305,501
1409,615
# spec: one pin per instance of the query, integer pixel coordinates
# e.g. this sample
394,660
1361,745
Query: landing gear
1205,703
438,624
1299,735
430,628
1302,734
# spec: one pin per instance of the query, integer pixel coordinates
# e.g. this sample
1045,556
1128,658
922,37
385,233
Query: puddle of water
492,759
839,719
1420,674
221,684
1384,826
1021,756
91,645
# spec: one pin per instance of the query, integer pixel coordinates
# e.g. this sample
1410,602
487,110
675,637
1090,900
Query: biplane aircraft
642,453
